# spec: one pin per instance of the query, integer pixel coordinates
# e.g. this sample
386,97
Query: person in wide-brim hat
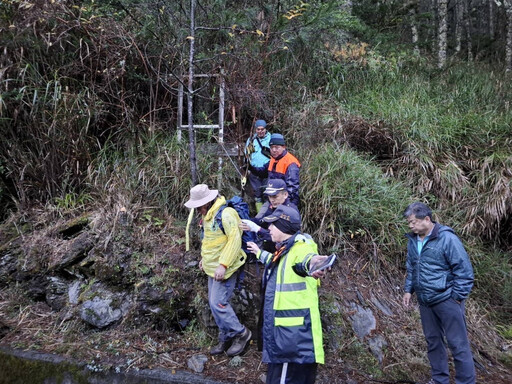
221,259
201,195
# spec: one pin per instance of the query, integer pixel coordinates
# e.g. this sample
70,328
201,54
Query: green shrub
344,193
493,280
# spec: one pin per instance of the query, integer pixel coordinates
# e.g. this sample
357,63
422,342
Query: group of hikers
438,271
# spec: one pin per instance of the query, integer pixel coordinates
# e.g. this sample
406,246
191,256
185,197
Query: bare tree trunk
434,11
442,33
459,17
414,30
190,95
468,27
491,19
508,49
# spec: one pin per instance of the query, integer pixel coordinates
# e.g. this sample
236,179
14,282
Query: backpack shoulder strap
261,147
218,217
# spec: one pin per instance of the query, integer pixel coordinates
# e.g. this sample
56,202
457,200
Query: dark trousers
447,319
291,373
258,185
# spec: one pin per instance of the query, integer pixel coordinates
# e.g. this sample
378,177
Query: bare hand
244,227
315,260
318,274
253,247
201,264
406,300
220,272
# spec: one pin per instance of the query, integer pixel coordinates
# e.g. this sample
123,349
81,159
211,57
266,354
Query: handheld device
327,263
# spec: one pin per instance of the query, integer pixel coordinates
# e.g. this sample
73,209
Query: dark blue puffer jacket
442,270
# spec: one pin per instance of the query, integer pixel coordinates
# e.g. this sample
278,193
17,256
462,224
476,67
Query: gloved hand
244,181
253,227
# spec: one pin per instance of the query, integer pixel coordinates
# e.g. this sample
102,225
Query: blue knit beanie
260,123
277,139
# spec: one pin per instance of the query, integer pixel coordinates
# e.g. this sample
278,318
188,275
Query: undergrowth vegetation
88,116
347,195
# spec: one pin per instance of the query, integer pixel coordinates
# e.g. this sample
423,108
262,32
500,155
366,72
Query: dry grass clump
491,203
152,177
319,121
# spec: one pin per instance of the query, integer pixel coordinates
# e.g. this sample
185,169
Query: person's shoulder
304,239
444,230
227,210
292,159
448,234
288,203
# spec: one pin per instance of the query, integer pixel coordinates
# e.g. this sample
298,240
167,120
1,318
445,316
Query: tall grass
345,195
154,174
466,104
493,280
452,130
451,126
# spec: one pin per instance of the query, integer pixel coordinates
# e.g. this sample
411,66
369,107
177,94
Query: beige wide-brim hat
200,195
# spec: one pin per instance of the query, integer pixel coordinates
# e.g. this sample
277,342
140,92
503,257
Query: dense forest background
384,102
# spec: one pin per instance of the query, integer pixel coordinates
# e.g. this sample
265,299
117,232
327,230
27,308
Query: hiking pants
291,373
447,319
219,296
258,184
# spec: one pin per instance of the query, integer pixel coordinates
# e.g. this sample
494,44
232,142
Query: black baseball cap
287,219
274,186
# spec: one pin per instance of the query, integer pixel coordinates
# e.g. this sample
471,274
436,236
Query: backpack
242,208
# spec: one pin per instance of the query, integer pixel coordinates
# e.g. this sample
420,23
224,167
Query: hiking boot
239,343
220,348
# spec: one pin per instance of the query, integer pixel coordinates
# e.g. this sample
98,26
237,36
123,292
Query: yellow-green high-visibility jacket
222,247
292,331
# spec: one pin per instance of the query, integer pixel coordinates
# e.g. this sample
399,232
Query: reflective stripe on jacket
441,271
286,168
220,247
292,330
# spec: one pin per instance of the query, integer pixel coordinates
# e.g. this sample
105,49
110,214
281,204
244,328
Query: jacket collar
281,156
434,234
286,245
219,202
255,136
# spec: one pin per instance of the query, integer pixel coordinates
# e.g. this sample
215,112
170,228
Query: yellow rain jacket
292,328
222,247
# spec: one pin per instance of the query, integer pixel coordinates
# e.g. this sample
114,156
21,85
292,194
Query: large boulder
102,307
8,268
74,252
99,312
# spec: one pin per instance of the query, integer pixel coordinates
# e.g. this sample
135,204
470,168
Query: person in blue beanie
283,165
257,152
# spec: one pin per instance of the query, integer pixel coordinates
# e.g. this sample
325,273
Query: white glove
253,227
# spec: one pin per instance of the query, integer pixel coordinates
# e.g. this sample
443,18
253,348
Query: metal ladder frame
219,126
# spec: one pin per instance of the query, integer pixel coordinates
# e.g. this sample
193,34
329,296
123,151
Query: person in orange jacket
283,165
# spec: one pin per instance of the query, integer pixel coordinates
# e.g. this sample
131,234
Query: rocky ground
119,295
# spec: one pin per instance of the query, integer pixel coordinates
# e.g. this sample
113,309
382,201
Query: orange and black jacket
286,167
